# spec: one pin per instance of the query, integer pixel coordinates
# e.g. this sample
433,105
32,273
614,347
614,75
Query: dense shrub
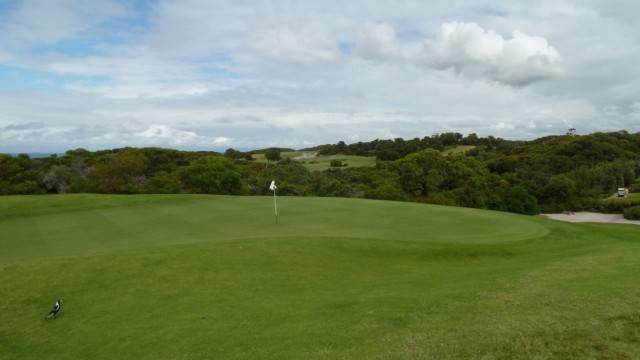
616,206
632,213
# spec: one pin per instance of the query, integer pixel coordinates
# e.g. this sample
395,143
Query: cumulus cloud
164,134
159,135
473,51
34,132
206,74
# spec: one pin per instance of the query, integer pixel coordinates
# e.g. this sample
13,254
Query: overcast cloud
209,75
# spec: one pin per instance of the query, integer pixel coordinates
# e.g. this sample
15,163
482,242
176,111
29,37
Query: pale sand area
585,216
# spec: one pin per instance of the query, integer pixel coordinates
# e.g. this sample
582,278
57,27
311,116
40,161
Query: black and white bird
54,309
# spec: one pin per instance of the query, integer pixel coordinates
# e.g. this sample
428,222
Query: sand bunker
585,216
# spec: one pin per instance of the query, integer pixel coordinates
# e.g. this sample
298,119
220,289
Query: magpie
54,309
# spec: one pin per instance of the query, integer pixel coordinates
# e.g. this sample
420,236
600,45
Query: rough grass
458,149
323,162
174,277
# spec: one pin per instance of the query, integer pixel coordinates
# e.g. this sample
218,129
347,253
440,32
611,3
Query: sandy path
592,217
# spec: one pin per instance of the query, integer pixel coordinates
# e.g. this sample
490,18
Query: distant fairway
323,162
192,277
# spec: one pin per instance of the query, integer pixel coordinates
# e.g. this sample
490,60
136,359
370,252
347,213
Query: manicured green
192,277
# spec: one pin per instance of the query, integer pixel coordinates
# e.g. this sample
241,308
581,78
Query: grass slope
458,149
214,277
323,162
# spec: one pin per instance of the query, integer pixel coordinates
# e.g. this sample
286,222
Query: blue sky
210,75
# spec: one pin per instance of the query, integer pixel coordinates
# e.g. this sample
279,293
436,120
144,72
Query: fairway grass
323,162
192,277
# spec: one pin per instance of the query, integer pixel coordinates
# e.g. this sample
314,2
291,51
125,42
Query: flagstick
275,204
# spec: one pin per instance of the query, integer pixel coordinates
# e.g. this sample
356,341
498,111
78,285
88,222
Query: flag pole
275,204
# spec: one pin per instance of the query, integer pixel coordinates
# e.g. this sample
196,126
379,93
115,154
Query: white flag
273,186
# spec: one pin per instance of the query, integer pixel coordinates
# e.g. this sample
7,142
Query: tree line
549,174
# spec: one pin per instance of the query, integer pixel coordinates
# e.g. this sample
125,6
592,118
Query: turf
173,277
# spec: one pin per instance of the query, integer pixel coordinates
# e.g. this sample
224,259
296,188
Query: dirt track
592,217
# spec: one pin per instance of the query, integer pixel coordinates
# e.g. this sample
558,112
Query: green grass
259,157
171,277
323,162
458,149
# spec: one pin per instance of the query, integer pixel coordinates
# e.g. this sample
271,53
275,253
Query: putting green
89,224
191,277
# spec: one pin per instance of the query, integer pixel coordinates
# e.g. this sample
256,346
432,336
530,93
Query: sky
213,75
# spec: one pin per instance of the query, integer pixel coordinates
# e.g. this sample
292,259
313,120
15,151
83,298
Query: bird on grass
54,309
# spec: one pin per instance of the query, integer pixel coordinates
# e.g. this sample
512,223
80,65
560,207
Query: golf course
220,277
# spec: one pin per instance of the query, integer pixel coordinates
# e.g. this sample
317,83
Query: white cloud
164,135
48,22
35,133
207,74
305,46
133,73
502,126
378,42
470,50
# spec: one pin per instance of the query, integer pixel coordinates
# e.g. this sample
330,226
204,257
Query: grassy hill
458,149
215,277
322,162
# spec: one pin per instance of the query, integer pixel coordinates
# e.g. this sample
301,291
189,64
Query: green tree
9,172
559,190
421,172
163,183
467,179
272,154
18,176
386,192
334,188
518,200
121,173
210,175
58,178
232,153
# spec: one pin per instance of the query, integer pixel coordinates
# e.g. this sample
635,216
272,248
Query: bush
617,206
272,154
632,213
386,192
